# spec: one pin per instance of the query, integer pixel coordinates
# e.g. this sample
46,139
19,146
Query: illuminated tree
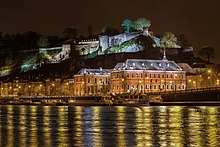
43,42
141,23
169,40
128,25
207,53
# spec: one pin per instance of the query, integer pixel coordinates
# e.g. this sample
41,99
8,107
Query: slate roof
142,64
94,71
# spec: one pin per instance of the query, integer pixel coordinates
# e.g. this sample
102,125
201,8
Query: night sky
199,20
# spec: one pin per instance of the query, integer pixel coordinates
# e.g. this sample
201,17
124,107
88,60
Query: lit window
160,64
151,64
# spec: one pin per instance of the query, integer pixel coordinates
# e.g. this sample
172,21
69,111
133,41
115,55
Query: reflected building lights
121,125
213,127
10,126
23,128
194,127
175,126
33,126
47,125
143,132
78,126
96,125
62,121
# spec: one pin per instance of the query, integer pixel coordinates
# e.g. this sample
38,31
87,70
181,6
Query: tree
43,42
183,41
207,53
141,23
169,40
128,25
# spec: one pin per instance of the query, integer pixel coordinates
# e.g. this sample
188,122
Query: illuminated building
91,82
144,76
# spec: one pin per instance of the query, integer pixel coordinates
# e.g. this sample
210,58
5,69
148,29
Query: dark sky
199,20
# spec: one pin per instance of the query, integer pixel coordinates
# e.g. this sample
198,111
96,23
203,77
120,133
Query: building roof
94,71
142,64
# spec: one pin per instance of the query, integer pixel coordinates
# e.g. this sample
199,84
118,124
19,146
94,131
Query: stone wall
110,41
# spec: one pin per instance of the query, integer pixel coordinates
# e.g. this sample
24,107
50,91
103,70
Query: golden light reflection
46,125
33,126
163,119
62,121
175,126
212,128
96,126
121,125
194,127
10,126
78,126
23,128
143,132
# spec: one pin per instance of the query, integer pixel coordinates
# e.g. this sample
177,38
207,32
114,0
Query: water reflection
109,126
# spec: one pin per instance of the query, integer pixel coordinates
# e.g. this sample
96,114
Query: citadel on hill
61,63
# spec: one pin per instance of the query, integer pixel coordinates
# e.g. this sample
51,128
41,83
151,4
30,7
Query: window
141,75
132,86
155,86
155,75
171,86
146,87
136,74
117,87
159,87
163,87
127,75
183,76
150,75
171,75
167,75
167,86
162,75
183,86
132,75
88,79
128,87
95,80
150,86
179,86
158,75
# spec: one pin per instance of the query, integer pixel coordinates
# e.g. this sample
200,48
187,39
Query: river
170,126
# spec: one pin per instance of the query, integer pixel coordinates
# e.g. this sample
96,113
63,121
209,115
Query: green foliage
169,40
207,53
43,42
183,41
128,25
141,23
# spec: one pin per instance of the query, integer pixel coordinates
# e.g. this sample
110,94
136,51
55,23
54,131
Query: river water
170,126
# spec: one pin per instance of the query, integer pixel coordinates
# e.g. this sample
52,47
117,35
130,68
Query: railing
211,89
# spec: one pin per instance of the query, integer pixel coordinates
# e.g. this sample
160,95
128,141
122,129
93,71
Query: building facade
91,82
144,76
